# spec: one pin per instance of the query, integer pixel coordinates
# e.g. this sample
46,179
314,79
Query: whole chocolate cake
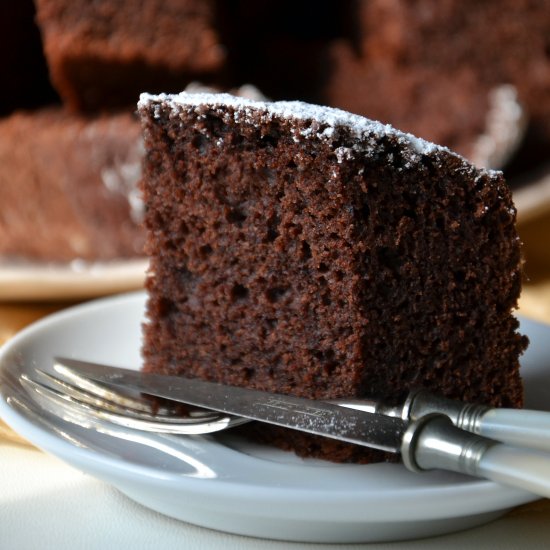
304,250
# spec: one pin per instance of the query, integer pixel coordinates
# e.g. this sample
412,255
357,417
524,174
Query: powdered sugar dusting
325,121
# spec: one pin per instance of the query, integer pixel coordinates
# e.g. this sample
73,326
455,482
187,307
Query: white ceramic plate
77,279
226,484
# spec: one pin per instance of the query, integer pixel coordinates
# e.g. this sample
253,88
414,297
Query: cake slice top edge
329,119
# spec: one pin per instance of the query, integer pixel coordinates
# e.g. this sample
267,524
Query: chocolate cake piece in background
103,54
304,250
69,186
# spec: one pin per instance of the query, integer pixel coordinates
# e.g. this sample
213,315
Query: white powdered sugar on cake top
327,118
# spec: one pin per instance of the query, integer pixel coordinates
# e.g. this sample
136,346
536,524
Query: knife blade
372,430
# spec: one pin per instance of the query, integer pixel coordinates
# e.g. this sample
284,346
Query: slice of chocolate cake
304,250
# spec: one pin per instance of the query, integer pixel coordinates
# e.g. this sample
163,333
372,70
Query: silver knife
428,442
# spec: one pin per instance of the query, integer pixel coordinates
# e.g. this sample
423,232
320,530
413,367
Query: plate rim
35,281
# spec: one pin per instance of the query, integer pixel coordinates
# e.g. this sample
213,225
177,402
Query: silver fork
431,442
69,388
104,403
75,391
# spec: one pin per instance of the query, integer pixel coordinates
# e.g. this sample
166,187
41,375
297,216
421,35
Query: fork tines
72,392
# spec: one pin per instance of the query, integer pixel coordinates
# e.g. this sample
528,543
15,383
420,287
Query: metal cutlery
103,403
426,439
525,428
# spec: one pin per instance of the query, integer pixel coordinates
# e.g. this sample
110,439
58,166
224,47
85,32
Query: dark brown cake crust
69,186
295,257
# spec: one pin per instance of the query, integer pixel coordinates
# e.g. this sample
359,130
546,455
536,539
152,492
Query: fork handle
519,427
522,428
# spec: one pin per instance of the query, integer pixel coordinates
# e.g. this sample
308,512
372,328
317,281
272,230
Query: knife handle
523,468
434,442
519,427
